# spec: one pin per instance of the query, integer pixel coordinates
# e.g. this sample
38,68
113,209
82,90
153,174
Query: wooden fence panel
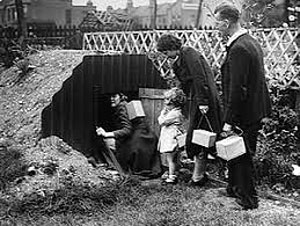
152,100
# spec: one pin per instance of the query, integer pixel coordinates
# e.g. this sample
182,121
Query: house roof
142,10
99,20
145,10
163,8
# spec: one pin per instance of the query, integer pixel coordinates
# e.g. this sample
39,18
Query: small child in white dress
171,122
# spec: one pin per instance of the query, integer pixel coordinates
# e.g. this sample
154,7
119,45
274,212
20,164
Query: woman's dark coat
141,156
136,144
121,125
198,83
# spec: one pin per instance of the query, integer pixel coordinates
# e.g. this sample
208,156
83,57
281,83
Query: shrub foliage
278,146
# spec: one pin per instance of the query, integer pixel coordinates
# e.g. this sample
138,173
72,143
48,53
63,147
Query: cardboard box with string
228,148
135,109
202,137
232,146
205,138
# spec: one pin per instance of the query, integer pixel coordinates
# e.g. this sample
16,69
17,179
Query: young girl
171,122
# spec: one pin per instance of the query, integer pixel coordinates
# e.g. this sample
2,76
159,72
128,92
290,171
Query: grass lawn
142,203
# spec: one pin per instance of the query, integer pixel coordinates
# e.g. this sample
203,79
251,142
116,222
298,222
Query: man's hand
227,130
203,109
227,127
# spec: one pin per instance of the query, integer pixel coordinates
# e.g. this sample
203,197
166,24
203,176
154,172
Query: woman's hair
123,97
228,11
177,96
168,42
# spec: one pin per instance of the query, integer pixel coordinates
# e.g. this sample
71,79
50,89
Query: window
11,14
25,8
14,14
68,16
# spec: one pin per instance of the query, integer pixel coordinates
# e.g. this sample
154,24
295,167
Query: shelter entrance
83,101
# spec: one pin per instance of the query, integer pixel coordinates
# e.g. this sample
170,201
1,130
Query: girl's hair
168,42
177,96
123,97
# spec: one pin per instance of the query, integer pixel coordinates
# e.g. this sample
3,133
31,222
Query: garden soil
22,101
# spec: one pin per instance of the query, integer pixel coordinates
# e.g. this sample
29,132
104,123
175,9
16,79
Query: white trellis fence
281,48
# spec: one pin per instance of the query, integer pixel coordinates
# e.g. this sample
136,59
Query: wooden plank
148,106
158,106
152,100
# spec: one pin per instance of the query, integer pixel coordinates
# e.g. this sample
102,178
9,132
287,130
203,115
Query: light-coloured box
135,109
204,138
181,140
231,147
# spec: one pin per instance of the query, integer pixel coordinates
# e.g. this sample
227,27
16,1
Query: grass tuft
11,166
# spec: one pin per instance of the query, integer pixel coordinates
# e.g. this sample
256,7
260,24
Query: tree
22,31
292,12
199,13
263,13
153,13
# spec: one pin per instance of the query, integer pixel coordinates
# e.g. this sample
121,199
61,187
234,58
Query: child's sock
172,179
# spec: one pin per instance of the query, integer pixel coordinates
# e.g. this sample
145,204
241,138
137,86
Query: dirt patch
21,103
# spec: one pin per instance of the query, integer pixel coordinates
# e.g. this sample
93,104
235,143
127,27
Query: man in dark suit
246,99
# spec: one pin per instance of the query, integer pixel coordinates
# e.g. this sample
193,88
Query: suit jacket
246,98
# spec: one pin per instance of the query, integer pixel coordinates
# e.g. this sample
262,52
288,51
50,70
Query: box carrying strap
207,121
239,130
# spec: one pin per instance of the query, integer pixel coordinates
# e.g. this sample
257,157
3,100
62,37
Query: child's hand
203,109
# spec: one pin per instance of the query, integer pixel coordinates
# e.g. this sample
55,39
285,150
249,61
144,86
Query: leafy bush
16,53
278,146
9,51
23,66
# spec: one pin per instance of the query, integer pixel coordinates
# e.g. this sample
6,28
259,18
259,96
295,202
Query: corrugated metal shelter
84,99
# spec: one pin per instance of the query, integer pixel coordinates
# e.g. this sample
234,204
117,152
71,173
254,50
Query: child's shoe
165,175
172,179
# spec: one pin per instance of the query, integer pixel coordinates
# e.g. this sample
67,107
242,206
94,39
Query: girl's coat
171,126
